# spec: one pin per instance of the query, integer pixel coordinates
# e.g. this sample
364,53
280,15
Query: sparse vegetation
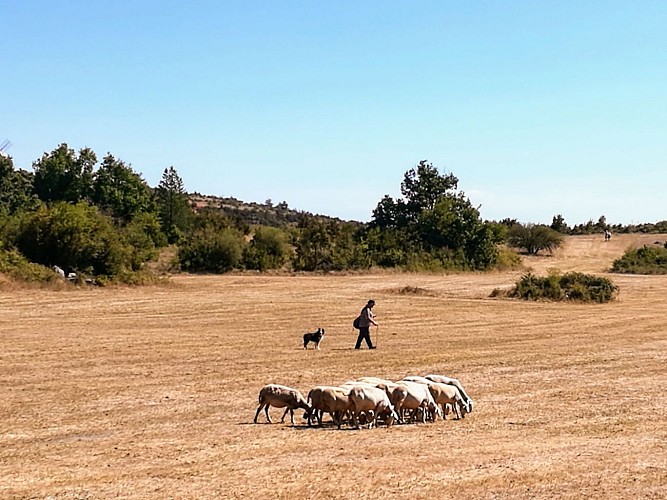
411,290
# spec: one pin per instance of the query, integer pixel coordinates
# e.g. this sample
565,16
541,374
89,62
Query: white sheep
329,399
449,397
442,379
371,400
418,397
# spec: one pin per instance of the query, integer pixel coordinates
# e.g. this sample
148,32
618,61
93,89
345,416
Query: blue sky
538,107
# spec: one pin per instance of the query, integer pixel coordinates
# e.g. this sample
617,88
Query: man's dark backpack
356,321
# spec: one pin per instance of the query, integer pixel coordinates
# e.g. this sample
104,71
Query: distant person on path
366,319
607,235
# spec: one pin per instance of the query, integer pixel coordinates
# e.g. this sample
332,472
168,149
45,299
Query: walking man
366,319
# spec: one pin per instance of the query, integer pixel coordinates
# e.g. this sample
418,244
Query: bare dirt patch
150,392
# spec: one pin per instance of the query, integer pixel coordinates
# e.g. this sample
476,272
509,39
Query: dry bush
410,290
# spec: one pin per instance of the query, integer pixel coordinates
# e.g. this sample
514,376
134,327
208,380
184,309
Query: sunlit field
150,392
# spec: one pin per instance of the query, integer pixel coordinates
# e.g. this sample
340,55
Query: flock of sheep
369,399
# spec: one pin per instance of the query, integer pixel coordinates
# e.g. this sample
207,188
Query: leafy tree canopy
119,191
423,186
433,218
16,188
172,204
74,237
534,238
62,175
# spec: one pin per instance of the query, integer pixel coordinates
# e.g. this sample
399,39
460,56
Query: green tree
313,246
145,236
62,175
172,204
498,231
534,238
210,250
433,223
559,224
74,237
602,223
386,247
390,213
16,188
119,191
330,245
588,228
268,249
424,186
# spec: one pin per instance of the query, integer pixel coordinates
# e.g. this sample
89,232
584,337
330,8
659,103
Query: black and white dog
315,337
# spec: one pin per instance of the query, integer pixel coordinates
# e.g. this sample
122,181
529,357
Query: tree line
102,219
93,220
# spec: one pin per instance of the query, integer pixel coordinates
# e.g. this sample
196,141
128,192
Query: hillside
268,214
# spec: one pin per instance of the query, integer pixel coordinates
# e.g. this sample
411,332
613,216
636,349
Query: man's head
371,303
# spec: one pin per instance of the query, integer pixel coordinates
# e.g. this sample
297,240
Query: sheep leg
259,409
457,409
399,412
282,420
337,417
374,420
355,420
266,410
401,415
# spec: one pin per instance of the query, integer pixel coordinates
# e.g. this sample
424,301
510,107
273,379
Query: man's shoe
373,347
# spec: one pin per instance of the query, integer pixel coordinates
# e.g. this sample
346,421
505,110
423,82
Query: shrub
571,286
75,237
134,278
207,250
534,238
267,250
145,237
644,260
14,265
507,259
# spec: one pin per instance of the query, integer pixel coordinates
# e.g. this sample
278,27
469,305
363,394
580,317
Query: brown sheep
281,396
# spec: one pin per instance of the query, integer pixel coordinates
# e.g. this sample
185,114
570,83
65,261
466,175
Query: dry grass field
150,392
